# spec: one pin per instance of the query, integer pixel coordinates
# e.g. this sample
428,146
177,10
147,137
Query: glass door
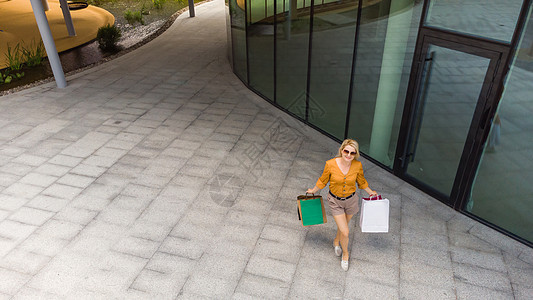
449,95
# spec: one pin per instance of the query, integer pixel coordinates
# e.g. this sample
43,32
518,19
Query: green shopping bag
311,210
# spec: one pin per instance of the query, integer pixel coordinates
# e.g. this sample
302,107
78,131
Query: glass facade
415,82
502,193
386,43
495,19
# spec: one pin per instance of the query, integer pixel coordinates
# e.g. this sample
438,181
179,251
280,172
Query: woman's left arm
370,191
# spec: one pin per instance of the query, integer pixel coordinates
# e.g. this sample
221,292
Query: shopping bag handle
373,198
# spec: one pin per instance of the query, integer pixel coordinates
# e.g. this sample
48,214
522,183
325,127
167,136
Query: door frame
486,106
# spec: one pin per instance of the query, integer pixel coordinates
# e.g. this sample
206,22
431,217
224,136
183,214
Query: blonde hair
349,142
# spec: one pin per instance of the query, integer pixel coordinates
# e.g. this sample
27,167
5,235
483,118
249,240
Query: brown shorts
339,207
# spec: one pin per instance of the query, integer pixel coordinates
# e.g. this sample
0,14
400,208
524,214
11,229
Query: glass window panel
238,38
331,64
292,42
449,94
386,44
494,19
261,48
502,193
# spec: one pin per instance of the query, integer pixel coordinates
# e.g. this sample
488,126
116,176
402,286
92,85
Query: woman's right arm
321,182
313,190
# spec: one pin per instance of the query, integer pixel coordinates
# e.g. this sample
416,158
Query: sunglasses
348,152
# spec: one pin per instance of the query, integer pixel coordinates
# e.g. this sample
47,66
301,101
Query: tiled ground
160,176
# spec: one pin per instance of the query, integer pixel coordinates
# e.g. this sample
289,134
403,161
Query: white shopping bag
374,214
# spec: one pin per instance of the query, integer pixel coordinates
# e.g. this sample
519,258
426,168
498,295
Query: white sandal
344,265
338,250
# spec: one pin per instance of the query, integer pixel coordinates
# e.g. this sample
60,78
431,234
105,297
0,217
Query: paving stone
15,230
492,261
136,246
23,190
62,191
414,272
497,239
262,287
38,179
12,281
362,289
468,291
88,170
30,160
119,144
11,203
425,239
526,255
420,291
48,203
51,169
60,229
160,285
31,216
311,288
7,245
43,245
8,179
76,215
481,277
165,263
223,267
87,144
192,249
99,161
469,241
163,217
383,249
206,285
4,214
128,171
374,272
31,293
522,293
124,217
247,219
431,257
523,277
23,261
101,191
76,180
270,268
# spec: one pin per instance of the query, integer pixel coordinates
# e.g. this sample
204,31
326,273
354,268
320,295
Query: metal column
49,44
191,8
67,17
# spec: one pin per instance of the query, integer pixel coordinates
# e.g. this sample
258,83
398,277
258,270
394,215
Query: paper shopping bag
311,210
374,215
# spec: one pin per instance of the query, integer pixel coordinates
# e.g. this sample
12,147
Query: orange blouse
339,184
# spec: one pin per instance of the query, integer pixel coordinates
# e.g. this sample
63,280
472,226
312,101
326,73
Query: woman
342,172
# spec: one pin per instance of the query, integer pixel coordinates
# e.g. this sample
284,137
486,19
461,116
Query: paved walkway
160,176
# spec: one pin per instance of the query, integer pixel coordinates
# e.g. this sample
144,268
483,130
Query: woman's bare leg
343,232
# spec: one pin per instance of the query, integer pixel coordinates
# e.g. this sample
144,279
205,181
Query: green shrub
14,58
158,3
34,54
108,37
7,77
134,16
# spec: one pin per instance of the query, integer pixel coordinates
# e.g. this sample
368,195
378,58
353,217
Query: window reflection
386,44
331,64
494,19
502,193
